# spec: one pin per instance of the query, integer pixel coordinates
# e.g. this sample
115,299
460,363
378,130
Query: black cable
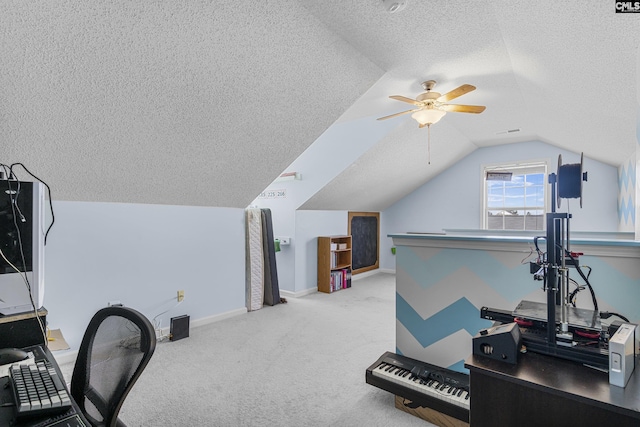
541,259
53,217
535,242
14,206
7,171
13,199
607,314
573,294
586,280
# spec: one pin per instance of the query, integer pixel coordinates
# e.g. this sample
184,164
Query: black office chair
115,349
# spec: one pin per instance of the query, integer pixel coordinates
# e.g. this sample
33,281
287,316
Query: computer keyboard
38,390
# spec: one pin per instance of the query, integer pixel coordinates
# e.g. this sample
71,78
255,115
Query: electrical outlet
180,295
284,241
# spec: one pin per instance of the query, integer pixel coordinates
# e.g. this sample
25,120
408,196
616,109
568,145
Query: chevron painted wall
637,178
627,184
442,285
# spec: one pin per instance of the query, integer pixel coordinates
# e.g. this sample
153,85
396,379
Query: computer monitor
22,245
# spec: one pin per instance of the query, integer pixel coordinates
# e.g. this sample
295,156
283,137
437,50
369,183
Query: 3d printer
559,328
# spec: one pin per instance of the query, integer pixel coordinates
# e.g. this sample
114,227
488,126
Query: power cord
157,324
11,174
585,278
16,212
23,276
608,314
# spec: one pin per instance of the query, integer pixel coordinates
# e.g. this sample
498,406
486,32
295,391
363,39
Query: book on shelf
340,279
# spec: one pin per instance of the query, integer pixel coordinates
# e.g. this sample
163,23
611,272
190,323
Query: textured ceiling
205,103
194,103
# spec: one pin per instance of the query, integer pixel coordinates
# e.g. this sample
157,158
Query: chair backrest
115,349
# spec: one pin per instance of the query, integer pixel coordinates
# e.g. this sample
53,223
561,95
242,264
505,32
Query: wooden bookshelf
334,263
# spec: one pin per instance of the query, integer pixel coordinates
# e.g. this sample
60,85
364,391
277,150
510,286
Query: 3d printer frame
555,334
559,340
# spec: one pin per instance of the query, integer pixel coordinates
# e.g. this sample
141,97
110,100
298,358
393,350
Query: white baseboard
372,273
69,356
218,317
309,291
299,294
164,332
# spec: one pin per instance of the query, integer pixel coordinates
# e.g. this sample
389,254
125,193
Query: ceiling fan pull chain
429,143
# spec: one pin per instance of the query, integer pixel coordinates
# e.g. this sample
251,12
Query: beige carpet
297,364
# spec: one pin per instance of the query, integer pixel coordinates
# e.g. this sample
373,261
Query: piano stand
428,414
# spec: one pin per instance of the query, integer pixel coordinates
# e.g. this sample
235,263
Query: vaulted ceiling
205,103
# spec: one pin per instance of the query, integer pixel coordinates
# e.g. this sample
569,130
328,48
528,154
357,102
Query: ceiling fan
432,106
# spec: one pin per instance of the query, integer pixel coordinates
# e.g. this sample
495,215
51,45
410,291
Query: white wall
310,225
141,255
453,199
318,165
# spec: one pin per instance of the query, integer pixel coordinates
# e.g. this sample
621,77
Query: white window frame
529,166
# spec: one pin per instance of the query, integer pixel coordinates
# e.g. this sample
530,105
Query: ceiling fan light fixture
432,106
428,116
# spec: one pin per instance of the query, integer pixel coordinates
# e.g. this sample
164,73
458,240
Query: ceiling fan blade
405,99
454,108
398,114
456,93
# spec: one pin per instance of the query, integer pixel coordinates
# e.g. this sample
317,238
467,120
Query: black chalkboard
364,229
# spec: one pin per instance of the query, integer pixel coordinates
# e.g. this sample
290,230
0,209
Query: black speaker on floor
500,342
179,328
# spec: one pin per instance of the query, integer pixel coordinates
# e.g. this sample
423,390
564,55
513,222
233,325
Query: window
516,204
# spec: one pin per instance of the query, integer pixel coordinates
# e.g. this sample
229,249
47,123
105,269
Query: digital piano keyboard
424,384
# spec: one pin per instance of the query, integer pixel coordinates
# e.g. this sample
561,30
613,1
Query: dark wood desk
71,418
548,391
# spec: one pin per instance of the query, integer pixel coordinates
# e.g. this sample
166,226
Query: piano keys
424,384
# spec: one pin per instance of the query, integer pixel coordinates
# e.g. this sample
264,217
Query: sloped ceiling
185,103
205,103
559,72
